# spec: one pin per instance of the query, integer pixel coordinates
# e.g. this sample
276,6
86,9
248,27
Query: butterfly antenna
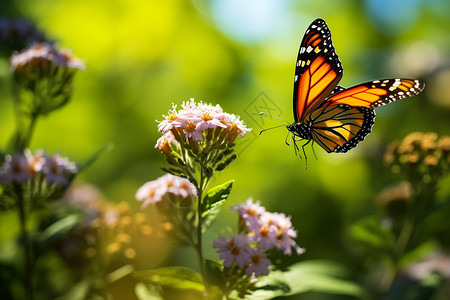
263,113
271,128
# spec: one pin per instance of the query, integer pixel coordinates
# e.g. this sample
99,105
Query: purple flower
235,249
260,263
15,169
285,233
56,169
249,212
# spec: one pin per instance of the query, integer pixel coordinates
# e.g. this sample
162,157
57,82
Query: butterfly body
328,114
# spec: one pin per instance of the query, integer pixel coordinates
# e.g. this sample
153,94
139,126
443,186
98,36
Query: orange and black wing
338,128
376,93
318,70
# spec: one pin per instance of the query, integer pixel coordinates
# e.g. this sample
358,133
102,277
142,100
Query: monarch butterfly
335,117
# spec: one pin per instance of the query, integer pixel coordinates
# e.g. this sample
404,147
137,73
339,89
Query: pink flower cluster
43,53
263,231
194,119
154,191
20,168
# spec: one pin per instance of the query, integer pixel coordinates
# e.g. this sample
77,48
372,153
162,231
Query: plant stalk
28,278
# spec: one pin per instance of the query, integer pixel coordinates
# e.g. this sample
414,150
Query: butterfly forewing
338,128
318,70
376,93
335,117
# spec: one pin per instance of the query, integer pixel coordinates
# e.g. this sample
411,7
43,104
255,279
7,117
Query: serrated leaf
216,194
213,201
175,277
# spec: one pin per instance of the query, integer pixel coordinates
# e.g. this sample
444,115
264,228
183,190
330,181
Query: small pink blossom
154,191
235,249
249,212
149,193
194,118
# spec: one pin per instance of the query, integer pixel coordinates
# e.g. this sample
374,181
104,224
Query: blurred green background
142,56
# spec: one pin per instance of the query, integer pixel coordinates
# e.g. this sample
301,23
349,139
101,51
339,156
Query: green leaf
216,194
78,291
174,277
144,293
60,227
310,276
213,201
213,272
419,252
95,157
369,231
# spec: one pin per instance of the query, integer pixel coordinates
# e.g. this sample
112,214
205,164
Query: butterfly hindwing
376,93
335,117
338,128
318,70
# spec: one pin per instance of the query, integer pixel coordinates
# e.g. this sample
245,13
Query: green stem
200,189
25,242
400,247
25,142
200,224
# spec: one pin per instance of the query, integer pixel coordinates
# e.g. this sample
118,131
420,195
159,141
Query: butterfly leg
314,151
287,139
304,153
296,148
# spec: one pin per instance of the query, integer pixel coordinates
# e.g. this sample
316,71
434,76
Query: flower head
259,265
420,153
199,132
249,212
43,54
235,249
15,169
195,118
172,187
43,65
57,168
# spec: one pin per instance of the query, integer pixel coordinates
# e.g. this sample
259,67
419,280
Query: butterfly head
301,130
